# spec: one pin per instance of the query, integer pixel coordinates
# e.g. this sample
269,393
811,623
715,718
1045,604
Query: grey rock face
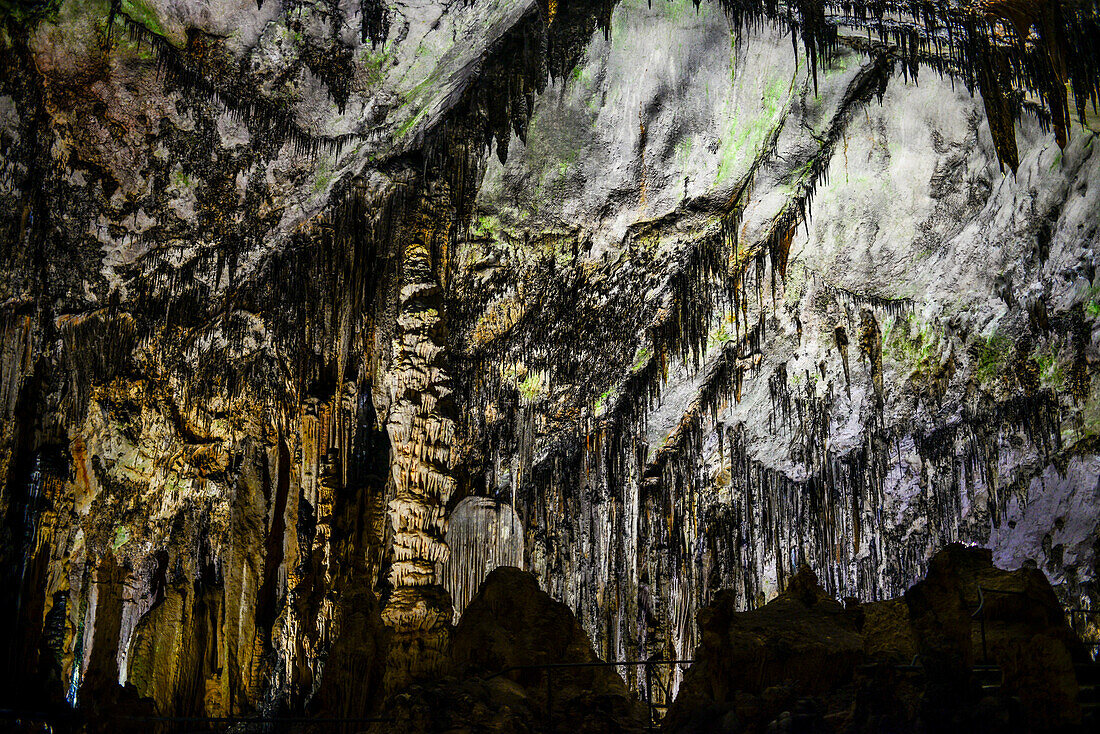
898,381
707,315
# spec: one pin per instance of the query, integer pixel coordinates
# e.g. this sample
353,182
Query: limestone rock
1026,636
754,665
511,623
699,291
351,684
803,662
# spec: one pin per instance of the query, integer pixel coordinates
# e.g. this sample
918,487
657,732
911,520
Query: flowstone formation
661,302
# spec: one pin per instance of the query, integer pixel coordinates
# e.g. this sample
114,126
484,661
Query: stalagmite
421,430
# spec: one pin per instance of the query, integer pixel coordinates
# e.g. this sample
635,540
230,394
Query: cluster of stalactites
1008,50
421,430
482,535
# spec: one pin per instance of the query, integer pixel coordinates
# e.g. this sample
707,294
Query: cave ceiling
697,292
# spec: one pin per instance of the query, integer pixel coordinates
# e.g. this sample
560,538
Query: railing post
985,649
980,614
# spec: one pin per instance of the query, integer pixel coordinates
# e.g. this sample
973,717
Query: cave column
421,428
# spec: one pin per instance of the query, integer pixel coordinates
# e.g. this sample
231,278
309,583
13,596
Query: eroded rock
753,666
511,624
1025,635
804,662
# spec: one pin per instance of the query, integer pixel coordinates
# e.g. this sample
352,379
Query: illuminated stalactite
481,535
421,430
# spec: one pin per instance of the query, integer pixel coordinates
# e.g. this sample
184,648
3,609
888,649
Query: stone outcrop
512,623
804,662
508,625
753,666
352,682
1025,635
468,706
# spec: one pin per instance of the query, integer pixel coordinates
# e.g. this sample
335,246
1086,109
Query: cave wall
904,359
204,208
703,307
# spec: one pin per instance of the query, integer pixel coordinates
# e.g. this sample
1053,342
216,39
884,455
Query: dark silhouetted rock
1026,636
351,682
510,622
801,646
804,663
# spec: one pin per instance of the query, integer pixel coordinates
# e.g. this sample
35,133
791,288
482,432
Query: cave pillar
421,428
101,676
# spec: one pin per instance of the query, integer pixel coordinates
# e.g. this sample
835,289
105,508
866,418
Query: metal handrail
981,611
550,667
37,715
73,715
264,720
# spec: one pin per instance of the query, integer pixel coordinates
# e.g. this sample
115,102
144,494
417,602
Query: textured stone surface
421,429
1025,635
482,534
804,660
511,623
802,644
908,381
710,307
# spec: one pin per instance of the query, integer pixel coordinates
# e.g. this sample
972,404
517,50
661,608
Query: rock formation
1021,630
421,432
684,296
804,662
509,632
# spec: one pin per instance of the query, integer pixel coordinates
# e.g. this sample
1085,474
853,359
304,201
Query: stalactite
1002,48
375,23
607,459
851,301
1078,380
633,541
238,98
841,337
482,534
695,542
264,360
870,344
